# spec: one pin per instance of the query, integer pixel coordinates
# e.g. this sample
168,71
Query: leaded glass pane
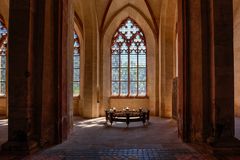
2,74
2,88
133,74
141,88
115,88
115,74
115,60
133,88
76,86
142,60
133,60
76,62
124,60
124,88
2,61
124,74
142,74
76,75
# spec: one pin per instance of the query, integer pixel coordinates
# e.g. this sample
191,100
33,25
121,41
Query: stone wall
134,103
4,10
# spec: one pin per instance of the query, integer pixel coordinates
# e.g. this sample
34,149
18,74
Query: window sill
129,97
3,97
76,97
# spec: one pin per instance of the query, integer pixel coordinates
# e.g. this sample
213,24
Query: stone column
91,69
40,73
206,84
193,69
222,74
21,132
57,48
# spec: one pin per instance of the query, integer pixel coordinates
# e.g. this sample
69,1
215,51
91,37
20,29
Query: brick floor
92,139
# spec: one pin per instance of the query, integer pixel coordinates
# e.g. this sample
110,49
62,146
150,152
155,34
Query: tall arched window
3,51
76,66
129,61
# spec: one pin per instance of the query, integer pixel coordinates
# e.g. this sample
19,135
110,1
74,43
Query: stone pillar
206,83
22,131
168,34
56,71
193,70
91,41
222,74
40,73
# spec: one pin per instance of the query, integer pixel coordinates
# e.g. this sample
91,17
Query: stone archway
152,61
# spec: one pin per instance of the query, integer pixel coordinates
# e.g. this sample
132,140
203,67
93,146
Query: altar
126,115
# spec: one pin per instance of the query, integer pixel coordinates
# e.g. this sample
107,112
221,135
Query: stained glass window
3,51
129,61
76,66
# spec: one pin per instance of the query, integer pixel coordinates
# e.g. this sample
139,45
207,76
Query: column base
20,148
224,146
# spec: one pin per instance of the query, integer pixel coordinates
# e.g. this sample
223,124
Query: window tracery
129,61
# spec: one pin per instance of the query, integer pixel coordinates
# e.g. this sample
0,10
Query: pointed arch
79,55
133,12
128,61
151,101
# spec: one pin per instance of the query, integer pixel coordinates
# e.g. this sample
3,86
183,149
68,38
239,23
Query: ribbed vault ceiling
106,9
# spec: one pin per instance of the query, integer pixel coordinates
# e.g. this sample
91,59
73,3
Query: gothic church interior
62,59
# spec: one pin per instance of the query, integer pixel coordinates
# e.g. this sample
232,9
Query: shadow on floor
94,139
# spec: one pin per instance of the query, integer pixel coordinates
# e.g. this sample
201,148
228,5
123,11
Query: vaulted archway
152,60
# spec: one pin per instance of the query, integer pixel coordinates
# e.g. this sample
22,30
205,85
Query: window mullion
137,72
128,44
119,70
